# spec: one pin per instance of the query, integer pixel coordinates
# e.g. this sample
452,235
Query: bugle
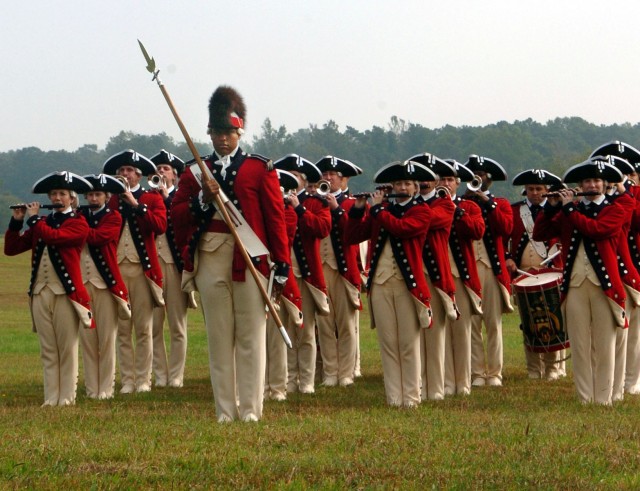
475,184
124,181
443,192
286,194
156,180
323,187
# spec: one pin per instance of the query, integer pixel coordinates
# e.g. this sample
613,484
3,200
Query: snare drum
538,299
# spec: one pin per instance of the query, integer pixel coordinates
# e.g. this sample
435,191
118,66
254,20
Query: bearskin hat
226,109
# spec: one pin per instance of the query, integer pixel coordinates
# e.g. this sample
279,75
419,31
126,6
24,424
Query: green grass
527,434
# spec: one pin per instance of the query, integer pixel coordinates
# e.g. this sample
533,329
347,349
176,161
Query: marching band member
143,218
492,270
363,267
439,277
593,295
275,383
398,291
170,371
468,226
103,281
630,265
58,299
628,274
337,331
525,254
314,224
233,307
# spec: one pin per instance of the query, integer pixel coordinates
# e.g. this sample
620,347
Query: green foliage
554,146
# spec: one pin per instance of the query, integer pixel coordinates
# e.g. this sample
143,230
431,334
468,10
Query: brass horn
442,192
156,180
323,187
286,194
124,181
475,184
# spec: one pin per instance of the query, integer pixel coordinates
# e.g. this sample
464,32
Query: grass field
527,434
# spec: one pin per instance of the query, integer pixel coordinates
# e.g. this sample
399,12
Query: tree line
555,146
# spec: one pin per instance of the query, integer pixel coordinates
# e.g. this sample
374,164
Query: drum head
539,279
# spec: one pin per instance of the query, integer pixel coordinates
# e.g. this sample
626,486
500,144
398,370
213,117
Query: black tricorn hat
619,149
462,172
106,183
129,157
164,157
61,180
293,162
226,109
287,180
536,176
493,169
592,169
439,166
344,167
619,163
404,170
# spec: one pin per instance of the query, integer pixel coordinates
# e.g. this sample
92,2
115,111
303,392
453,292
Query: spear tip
151,63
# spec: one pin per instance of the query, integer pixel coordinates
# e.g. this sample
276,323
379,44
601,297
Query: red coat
436,248
253,187
468,225
345,250
633,239
519,238
574,227
498,219
64,240
148,220
291,292
170,233
314,224
407,232
628,272
104,233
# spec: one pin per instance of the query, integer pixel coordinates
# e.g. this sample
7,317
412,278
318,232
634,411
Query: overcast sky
72,72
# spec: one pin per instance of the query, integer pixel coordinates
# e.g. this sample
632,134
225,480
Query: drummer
525,254
592,293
